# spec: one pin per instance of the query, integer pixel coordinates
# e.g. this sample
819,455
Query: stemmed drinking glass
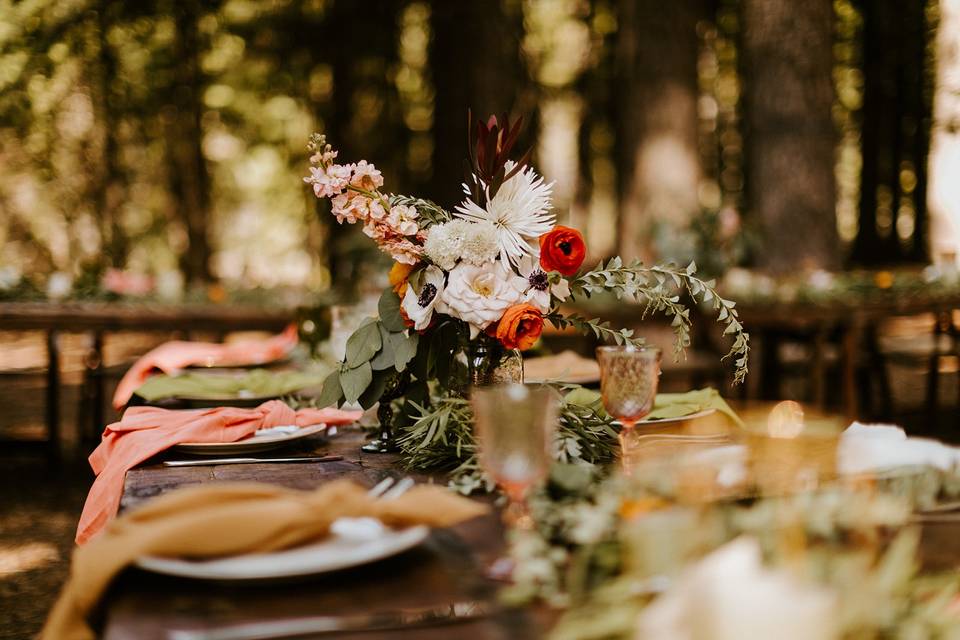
515,425
628,384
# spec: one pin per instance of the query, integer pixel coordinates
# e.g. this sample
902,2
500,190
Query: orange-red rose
520,327
562,250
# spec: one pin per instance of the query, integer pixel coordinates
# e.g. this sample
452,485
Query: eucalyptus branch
658,289
599,328
430,212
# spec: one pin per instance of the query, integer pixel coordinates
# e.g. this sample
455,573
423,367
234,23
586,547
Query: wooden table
851,324
100,318
446,569
854,327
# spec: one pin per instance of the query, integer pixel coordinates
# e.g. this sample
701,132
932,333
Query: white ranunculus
419,305
480,295
537,287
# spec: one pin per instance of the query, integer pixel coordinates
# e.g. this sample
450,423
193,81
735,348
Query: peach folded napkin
228,519
146,431
170,357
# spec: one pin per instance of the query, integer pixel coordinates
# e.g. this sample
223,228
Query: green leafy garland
576,557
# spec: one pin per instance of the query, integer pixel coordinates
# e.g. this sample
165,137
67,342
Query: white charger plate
262,440
332,554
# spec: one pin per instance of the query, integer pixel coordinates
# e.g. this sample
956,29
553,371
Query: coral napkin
225,519
170,357
146,431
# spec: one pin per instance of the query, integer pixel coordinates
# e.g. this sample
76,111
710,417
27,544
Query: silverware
212,461
314,625
390,488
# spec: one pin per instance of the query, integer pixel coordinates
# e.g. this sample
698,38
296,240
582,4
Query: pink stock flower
328,181
366,176
403,219
377,210
350,207
402,250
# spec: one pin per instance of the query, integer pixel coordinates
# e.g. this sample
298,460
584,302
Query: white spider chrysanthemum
520,212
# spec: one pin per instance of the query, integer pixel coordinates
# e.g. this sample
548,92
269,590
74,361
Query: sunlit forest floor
40,503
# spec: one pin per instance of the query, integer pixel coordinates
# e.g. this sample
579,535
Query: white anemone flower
538,287
419,305
520,211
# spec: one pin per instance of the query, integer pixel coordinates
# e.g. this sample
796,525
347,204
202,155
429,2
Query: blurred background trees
169,135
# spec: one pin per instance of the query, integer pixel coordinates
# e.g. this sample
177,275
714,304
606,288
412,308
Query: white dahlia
480,243
444,244
480,295
472,242
520,212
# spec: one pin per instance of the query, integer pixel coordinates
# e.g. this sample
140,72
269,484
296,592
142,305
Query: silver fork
390,488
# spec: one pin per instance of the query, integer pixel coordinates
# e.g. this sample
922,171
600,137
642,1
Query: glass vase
489,363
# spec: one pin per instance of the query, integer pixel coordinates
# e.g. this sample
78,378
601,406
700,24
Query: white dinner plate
692,416
262,440
332,554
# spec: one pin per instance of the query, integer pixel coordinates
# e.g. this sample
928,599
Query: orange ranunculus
562,250
520,327
399,273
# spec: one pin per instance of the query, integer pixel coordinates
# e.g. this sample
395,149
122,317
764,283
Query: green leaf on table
584,397
404,348
385,358
374,391
363,344
355,381
332,393
389,309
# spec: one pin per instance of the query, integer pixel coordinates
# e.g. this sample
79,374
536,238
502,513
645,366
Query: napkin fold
170,357
256,383
667,405
146,431
866,448
227,519
678,405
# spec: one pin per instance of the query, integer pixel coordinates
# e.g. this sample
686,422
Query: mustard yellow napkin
225,519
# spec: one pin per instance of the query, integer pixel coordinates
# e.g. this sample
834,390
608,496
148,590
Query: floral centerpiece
472,287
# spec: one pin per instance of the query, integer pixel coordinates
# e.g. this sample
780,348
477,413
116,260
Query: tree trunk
657,147
189,180
476,65
365,122
944,196
110,187
790,136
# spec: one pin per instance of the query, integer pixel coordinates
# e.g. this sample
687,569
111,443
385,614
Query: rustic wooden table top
446,569
105,316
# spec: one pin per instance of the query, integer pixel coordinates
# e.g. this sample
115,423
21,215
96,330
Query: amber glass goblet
629,377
